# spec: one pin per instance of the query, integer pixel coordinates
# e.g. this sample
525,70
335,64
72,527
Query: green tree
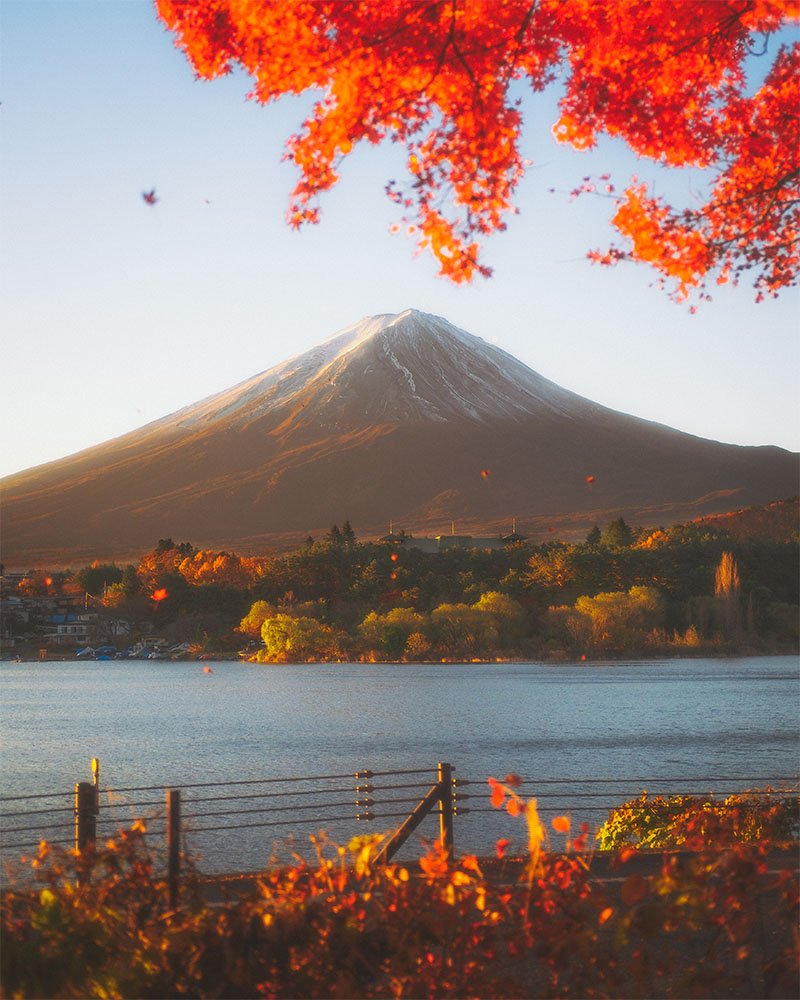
96,578
617,535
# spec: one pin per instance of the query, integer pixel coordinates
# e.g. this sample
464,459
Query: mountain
401,417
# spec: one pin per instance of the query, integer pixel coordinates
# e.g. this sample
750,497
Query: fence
225,822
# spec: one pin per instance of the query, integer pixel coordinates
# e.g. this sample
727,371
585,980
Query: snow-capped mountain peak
389,368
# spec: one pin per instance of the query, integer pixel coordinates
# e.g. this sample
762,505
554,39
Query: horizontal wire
35,843
387,815
279,822
396,802
427,770
392,788
39,795
242,781
242,812
410,770
132,805
39,826
39,812
648,781
272,795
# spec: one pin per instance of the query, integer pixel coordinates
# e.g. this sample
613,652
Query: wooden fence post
173,844
445,772
96,784
85,815
441,794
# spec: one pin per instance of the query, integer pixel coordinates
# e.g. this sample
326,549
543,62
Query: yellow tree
727,586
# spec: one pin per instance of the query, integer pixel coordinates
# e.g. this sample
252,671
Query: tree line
622,591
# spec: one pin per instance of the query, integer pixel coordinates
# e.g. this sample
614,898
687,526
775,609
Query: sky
114,313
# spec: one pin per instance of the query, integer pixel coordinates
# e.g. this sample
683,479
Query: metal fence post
445,773
173,844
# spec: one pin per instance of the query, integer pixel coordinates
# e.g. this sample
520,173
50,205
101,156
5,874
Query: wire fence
239,825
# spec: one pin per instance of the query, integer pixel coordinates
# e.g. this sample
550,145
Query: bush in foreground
715,924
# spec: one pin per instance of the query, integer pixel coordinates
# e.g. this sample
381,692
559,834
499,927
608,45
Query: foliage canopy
439,77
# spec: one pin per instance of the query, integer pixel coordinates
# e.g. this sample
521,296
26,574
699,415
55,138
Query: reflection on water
161,723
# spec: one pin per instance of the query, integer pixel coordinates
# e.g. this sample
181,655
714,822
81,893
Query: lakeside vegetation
689,589
717,922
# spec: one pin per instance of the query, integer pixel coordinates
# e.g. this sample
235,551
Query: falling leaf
561,824
512,780
159,595
150,197
590,480
605,915
485,473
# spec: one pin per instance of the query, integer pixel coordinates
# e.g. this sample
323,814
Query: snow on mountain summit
389,368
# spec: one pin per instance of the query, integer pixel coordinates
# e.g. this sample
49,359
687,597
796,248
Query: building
441,543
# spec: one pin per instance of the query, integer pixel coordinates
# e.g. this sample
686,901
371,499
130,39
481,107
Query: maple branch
451,40
519,37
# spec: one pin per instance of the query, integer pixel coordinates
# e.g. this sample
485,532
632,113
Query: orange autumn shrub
100,925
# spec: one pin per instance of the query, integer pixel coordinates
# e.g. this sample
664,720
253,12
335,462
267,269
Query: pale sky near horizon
114,313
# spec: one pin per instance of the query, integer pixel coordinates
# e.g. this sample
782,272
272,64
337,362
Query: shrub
100,925
696,821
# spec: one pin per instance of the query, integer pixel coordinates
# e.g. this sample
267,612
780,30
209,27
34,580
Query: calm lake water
676,725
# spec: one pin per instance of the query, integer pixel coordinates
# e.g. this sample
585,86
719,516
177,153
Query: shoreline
582,660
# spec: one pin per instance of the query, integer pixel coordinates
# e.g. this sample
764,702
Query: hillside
776,522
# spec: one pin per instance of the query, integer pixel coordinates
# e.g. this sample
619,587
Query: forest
623,591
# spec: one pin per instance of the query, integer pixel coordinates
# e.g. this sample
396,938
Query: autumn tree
620,620
505,614
440,78
463,630
251,623
389,633
299,639
727,585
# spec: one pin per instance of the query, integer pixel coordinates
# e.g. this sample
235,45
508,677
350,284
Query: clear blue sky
115,313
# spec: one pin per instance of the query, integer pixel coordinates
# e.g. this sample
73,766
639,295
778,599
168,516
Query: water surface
675,722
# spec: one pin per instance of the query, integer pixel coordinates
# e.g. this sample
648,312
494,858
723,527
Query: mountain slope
403,417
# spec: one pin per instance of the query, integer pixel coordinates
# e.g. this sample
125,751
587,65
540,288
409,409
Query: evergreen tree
594,536
617,535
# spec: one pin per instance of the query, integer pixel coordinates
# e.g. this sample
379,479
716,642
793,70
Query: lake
583,736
